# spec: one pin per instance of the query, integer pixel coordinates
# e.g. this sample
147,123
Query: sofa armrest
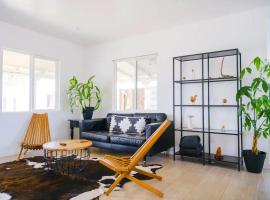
98,124
151,128
165,142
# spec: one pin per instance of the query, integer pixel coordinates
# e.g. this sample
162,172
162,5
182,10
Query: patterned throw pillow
122,124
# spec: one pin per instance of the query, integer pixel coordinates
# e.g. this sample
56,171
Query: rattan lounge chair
37,134
123,166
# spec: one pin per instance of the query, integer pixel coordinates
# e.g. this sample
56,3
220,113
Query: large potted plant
255,107
85,96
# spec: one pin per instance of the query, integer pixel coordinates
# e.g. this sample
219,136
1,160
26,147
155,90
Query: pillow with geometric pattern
129,125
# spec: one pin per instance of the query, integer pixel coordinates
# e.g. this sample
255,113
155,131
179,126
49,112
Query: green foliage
83,95
256,107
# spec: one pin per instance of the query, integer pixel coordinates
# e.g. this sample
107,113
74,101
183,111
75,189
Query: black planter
254,163
88,113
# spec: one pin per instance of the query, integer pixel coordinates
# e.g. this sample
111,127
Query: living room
137,53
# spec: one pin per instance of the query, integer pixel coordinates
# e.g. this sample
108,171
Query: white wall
246,31
268,38
71,56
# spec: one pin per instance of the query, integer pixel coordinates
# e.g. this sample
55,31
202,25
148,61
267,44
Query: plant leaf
265,86
242,73
73,81
91,78
268,74
257,63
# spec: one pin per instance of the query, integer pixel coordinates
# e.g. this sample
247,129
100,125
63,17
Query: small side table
73,123
66,156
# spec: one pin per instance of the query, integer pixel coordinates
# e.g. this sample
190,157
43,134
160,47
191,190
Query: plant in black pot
255,106
86,96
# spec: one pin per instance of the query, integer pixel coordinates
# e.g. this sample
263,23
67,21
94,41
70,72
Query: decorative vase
192,74
254,163
189,124
218,154
221,70
222,128
88,113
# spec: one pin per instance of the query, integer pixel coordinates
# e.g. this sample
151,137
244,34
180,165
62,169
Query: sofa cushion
96,136
109,117
126,139
126,124
108,123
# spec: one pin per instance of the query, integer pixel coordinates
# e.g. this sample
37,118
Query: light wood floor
184,180
190,181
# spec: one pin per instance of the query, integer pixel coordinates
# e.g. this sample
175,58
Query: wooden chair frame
123,166
37,134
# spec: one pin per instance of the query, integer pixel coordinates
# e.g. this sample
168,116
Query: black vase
254,163
88,113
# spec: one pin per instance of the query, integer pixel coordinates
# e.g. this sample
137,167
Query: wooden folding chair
123,166
37,134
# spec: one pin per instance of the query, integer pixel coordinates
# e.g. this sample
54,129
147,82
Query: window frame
114,89
32,81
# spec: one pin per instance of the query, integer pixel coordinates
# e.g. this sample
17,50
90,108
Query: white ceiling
94,21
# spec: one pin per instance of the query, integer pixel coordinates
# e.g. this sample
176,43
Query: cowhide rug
29,180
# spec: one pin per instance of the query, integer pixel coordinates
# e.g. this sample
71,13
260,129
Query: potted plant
256,110
86,96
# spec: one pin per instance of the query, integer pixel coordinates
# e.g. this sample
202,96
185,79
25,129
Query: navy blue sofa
97,130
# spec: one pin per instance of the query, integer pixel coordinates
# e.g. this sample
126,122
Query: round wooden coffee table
66,156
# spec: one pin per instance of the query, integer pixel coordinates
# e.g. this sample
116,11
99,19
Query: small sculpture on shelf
193,74
218,154
222,128
193,99
224,100
190,125
221,71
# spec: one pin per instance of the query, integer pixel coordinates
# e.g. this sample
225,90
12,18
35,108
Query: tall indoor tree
255,105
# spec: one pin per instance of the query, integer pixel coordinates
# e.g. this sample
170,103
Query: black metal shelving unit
205,106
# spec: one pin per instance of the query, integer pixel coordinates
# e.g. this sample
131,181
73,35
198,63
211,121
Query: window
29,82
16,77
44,85
136,83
